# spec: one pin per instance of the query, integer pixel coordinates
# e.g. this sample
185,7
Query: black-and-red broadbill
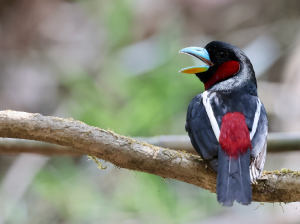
227,123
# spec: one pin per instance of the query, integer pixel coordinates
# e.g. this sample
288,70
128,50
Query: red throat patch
224,71
234,137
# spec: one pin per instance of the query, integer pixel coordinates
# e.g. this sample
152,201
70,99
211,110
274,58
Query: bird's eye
222,54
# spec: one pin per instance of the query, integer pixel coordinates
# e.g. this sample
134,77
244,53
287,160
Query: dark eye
222,54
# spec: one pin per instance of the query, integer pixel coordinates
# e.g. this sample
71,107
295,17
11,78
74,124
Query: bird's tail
233,181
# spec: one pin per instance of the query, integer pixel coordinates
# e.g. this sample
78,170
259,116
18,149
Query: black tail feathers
233,181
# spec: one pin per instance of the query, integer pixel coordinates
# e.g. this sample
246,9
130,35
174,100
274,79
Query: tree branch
277,142
127,153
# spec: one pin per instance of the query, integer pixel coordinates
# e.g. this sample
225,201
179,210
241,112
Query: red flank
234,136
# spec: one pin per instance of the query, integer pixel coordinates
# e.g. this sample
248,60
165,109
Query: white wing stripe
213,121
256,119
211,115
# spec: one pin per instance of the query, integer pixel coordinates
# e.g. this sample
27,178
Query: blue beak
200,53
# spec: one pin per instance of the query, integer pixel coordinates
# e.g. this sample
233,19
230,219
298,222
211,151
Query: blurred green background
114,64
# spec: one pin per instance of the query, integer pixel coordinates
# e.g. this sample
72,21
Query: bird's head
226,66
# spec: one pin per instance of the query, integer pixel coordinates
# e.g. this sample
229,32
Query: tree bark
277,142
130,154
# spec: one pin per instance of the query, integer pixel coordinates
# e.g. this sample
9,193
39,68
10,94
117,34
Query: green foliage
113,196
152,103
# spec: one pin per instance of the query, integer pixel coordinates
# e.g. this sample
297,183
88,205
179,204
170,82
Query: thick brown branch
277,142
130,154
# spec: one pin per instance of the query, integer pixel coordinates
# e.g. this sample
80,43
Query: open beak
200,53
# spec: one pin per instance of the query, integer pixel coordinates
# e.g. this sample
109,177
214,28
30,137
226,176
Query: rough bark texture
17,146
277,142
128,153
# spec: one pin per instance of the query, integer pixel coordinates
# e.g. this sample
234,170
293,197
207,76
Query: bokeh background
114,64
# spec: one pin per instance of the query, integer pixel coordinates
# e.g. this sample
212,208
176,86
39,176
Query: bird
227,123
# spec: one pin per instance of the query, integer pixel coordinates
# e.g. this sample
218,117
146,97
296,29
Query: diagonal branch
128,153
277,142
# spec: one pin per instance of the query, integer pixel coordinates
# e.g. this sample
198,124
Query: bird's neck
233,76
224,71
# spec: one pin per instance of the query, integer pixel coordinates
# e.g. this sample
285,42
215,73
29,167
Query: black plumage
236,93
233,181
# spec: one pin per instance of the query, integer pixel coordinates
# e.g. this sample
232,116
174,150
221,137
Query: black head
224,62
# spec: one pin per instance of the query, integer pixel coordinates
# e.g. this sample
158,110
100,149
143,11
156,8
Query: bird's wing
203,138
256,120
259,146
201,133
